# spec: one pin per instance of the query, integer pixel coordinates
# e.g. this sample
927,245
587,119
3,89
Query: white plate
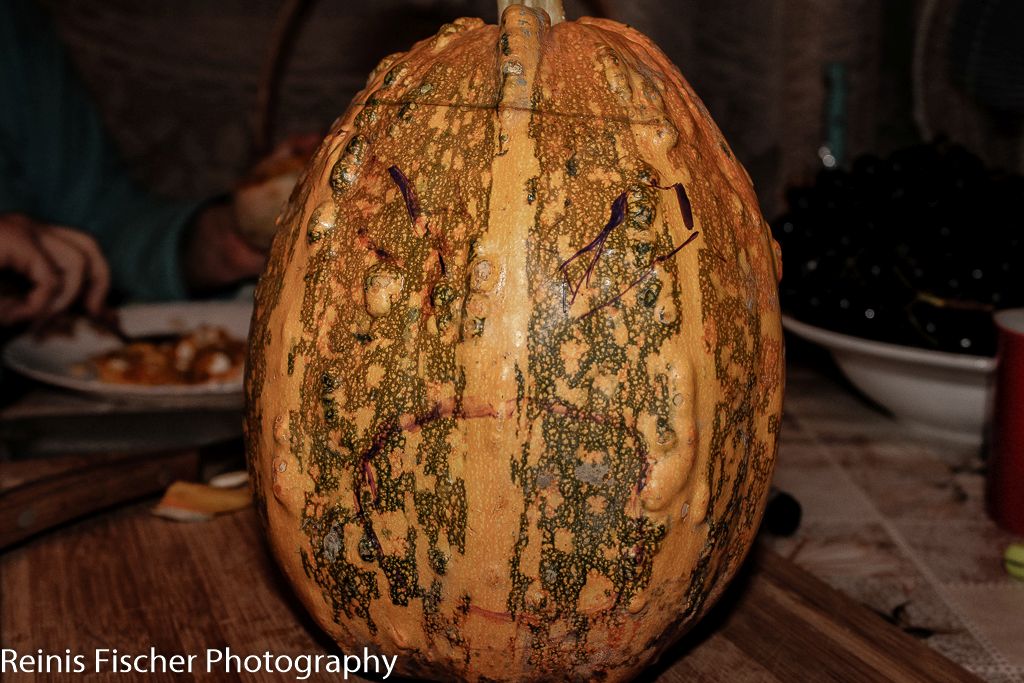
945,395
60,360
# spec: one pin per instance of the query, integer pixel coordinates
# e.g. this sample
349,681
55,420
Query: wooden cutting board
131,581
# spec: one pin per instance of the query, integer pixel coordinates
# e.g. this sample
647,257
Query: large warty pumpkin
516,364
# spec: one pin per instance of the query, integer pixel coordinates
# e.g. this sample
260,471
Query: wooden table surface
128,580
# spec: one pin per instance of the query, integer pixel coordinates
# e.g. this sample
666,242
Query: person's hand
215,255
58,265
266,187
228,240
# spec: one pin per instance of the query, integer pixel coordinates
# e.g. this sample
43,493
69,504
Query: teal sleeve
59,166
13,196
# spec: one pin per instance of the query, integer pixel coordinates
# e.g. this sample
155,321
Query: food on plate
207,354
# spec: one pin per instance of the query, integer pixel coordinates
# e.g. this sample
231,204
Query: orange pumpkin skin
509,417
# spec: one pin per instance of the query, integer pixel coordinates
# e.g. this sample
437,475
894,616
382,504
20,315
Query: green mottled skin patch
336,358
443,509
612,543
403,577
355,586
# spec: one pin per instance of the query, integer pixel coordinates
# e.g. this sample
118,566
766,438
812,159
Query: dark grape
916,248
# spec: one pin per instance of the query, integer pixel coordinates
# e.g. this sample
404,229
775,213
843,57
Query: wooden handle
554,8
38,495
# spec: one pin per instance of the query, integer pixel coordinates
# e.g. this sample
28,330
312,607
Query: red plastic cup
1005,490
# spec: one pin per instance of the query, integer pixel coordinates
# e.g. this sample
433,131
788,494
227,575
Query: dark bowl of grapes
896,265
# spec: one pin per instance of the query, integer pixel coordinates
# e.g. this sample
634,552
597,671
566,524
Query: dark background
176,80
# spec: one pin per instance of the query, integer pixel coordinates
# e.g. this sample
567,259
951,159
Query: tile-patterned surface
907,481
823,489
999,674
960,552
898,522
998,614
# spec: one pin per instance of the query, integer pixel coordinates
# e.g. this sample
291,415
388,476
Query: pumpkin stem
554,8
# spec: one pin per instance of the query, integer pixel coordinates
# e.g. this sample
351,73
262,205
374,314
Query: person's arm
67,172
70,170
214,254
13,195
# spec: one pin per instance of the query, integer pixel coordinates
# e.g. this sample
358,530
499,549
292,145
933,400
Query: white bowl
944,395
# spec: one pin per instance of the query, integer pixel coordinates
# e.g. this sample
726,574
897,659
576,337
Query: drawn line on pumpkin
472,409
654,122
505,617
412,422
413,206
366,460
412,202
618,216
641,480
367,478
685,208
366,242
643,276
367,524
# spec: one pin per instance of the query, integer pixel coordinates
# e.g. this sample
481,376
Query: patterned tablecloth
898,522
